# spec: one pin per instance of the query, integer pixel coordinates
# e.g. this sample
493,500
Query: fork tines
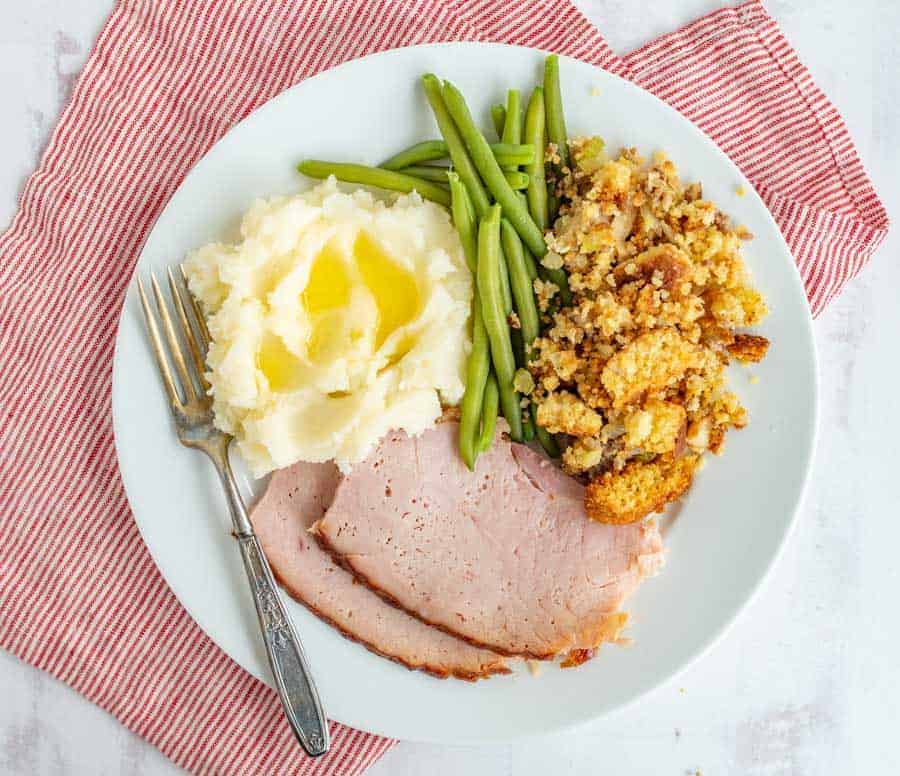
191,329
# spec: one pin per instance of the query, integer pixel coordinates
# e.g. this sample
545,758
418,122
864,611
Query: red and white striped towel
79,595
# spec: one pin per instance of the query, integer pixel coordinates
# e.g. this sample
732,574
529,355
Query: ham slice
295,498
504,557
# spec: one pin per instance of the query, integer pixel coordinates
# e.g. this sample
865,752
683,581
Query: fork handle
292,674
293,677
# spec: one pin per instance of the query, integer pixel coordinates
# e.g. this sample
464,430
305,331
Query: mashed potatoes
336,318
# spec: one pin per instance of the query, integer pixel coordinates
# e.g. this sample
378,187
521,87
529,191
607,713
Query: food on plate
632,372
510,275
540,207
477,146
439,174
295,498
494,314
511,265
639,488
498,117
507,153
748,348
557,136
504,558
334,319
474,409
593,300
373,176
511,131
535,132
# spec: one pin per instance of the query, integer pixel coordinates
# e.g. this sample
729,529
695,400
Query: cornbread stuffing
632,372
640,488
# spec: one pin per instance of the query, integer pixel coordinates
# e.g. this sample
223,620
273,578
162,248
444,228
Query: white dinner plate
726,536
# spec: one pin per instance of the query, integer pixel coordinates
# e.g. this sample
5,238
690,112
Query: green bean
427,151
556,124
530,266
518,346
537,186
522,126
432,150
477,370
552,206
490,171
374,176
530,263
528,429
505,288
479,359
464,220
520,153
518,180
426,172
556,120
491,296
462,163
498,116
517,158
548,442
512,127
537,183
489,409
520,284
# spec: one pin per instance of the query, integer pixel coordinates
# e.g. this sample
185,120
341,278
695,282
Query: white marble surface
808,680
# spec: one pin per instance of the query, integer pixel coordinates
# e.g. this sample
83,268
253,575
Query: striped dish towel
79,595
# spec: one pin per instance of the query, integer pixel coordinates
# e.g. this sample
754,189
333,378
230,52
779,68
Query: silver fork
192,411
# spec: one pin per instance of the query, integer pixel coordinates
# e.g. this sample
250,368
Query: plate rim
715,636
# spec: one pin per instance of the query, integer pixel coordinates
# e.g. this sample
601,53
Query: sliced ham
295,498
504,557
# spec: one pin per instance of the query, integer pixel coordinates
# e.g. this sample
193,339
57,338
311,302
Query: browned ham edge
295,498
437,670
504,559
607,629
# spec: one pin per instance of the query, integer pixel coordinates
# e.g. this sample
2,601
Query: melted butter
281,367
328,286
327,289
326,298
393,288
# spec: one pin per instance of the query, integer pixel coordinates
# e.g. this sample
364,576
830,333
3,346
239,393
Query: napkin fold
80,596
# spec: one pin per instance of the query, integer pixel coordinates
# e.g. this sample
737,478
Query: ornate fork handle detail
274,623
285,653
